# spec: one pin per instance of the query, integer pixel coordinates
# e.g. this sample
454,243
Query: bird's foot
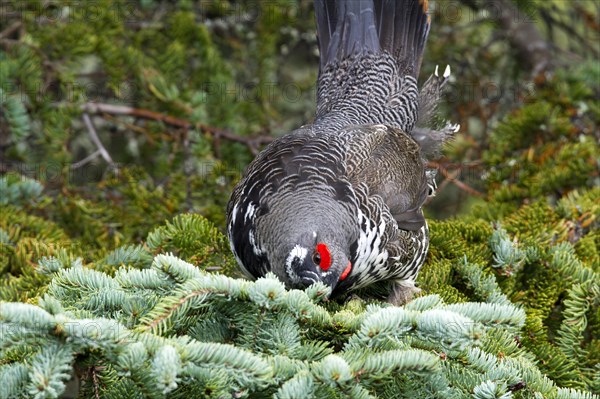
402,292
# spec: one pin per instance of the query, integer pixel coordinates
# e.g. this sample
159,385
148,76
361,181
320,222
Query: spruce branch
333,371
385,364
168,308
507,255
174,269
14,377
525,370
14,110
299,387
49,371
580,298
452,331
491,314
485,286
383,329
423,303
244,368
166,366
492,390
570,393
129,255
565,261
27,316
147,279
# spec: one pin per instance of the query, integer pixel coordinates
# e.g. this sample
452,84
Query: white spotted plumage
368,253
249,212
297,253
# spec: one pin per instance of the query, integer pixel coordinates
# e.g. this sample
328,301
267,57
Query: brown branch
252,142
15,26
451,177
129,126
96,384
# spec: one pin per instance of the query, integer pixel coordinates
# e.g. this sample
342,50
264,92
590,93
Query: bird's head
307,238
313,258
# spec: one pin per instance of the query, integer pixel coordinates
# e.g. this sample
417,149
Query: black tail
399,27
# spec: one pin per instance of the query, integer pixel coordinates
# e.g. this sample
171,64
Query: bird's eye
316,258
322,256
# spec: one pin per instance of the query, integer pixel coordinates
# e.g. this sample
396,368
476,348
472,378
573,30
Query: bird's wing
389,163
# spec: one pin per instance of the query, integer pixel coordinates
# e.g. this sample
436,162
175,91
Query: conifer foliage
158,326
174,329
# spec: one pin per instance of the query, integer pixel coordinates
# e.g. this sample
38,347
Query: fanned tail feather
370,88
399,28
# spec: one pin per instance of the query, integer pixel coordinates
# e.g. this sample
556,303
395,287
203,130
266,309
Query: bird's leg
403,291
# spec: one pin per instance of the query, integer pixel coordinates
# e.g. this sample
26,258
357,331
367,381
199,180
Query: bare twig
452,178
463,186
12,28
85,160
94,136
253,143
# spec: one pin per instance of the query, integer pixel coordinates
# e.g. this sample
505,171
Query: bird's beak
346,271
333,283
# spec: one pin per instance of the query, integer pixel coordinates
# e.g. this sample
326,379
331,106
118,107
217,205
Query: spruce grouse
340,200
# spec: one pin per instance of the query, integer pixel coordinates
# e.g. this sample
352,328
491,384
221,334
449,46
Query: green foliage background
82,240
